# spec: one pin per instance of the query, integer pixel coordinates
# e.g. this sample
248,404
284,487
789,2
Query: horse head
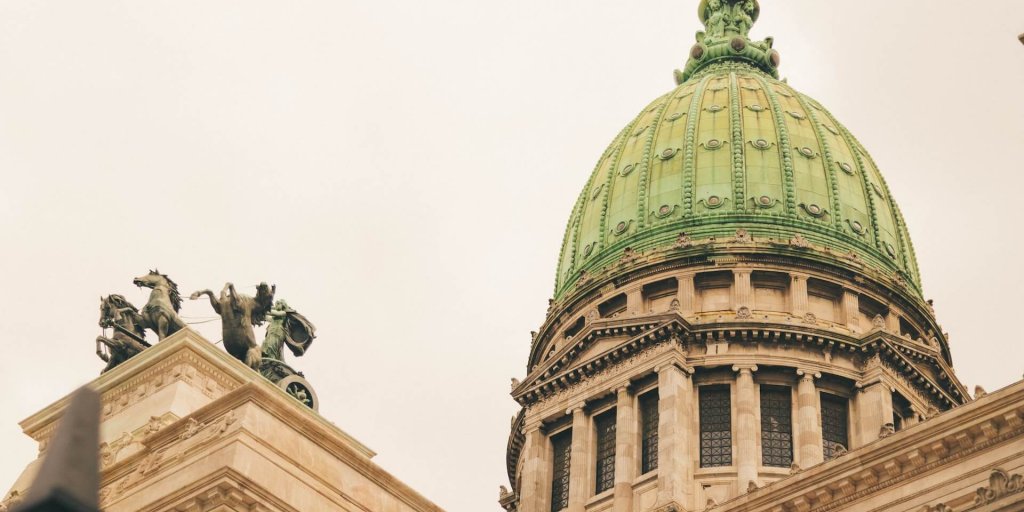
154,279
108,313
151,280
116,310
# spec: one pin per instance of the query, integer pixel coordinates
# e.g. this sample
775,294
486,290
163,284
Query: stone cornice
220,421
881,287
906,361
181,356
564,369
225,488
943,441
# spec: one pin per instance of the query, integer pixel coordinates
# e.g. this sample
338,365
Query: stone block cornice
606,380
184,355
226,489
223,422
906,361
905,364
563,368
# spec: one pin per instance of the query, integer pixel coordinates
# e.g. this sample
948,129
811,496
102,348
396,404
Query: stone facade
738,322
186,427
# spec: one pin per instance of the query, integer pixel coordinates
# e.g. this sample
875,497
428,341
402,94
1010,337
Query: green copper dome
733,149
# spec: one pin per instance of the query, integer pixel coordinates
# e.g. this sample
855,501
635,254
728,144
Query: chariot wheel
301,390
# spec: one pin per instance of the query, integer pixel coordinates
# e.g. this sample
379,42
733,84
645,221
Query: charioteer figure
287,328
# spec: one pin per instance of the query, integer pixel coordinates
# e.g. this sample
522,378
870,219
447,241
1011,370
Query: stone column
675,428
579,474
625,450
892,322
798,294
534,495
635,302
687,295
873,409
746,455
808,430
744,295
851,310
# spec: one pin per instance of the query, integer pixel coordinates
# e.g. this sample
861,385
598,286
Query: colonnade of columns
678,427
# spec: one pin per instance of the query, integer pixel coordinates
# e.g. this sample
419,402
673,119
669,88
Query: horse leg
253,357
161,328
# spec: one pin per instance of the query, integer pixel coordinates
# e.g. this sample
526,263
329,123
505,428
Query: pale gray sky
403,172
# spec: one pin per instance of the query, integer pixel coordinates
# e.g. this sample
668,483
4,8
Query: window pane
833,425
561,445
776,426
649,431
605,424
715,426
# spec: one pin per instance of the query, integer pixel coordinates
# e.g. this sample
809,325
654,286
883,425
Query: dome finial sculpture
726,38
728,17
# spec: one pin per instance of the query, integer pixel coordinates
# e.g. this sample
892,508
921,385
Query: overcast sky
403,171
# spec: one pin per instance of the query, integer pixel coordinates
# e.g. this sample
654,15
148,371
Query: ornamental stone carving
1001,484
878,322
799,242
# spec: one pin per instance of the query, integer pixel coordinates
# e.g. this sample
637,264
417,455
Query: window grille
776,426
834,434
605,424
715,426
561,446
649,432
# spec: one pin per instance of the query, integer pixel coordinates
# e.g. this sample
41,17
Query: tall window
715,426
649,431
776,426
834,434
605,424
561,444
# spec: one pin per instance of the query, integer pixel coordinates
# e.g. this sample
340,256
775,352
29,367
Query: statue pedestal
185,426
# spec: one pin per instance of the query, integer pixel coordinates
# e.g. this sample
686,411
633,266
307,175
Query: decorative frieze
193,436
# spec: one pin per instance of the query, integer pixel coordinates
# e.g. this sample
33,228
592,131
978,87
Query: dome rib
830,164
739,166
785,149
689,145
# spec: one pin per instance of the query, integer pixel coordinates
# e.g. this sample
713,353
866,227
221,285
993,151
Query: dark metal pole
69,478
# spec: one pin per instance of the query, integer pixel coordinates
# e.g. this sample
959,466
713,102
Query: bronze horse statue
239,314
161,312
128,338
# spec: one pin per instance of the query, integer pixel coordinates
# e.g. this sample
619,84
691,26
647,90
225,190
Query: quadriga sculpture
161,312
238,315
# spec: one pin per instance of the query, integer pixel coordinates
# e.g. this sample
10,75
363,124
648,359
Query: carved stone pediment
590,353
